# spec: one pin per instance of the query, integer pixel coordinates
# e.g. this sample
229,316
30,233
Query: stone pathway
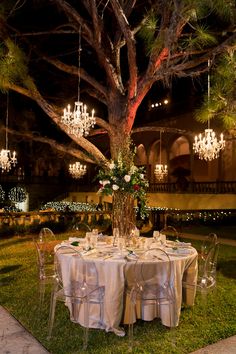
15,339
225,346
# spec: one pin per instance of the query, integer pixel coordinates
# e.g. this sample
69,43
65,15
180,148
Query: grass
18,294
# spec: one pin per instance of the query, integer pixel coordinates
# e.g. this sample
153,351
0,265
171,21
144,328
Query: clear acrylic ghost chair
210,241
206,280
151,283
81,291
46,235
44,245
170,231
207,270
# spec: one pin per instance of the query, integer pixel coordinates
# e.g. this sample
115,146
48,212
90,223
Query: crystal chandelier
77,170
161,171
78,121
206,145
7,159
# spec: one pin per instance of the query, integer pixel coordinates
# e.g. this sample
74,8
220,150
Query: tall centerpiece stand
126,183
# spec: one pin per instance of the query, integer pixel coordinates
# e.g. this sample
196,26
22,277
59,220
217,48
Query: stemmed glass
116,235
121,244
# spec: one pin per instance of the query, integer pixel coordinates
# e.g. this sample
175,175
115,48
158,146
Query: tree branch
62,148
74,16
50,111
73,70
128,34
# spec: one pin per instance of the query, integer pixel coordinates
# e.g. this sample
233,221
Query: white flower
115,187
141,175
105,182
127,178
133,169
111,165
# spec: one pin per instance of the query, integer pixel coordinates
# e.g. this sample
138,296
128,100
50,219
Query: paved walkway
15,339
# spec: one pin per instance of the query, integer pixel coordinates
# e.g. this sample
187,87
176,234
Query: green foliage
148,33
222,102
123,178
223,9
13,65
201,38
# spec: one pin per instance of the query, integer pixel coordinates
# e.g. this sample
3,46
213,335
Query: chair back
46,235
209,242
153,274
207,269
83,275
44,245
170,231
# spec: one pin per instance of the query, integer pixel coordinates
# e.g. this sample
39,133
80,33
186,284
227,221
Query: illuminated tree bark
134,44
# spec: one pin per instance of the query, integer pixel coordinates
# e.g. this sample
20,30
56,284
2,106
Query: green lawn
18,294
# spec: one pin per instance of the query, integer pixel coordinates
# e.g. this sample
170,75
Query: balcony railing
69,185
219,187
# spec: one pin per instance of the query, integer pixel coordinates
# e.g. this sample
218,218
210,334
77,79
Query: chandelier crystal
161,171
207,145
77,170
7,159
78,121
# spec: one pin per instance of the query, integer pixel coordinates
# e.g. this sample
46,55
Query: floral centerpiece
127,184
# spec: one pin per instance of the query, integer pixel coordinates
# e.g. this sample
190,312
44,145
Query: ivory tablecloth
112,274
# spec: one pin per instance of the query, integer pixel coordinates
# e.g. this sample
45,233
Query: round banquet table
112,269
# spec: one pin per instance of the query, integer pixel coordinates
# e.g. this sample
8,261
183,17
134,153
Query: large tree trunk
123,212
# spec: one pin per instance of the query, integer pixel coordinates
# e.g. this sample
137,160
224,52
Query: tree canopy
127,46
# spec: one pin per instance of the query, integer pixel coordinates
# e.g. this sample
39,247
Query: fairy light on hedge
17,194
71,206
2,194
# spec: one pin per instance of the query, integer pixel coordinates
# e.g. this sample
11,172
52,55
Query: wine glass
116,235
121,244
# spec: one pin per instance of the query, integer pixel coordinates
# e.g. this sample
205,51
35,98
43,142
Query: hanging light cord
160,147
79,63
7,117
208,89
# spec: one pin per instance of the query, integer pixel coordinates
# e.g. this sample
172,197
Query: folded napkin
183,244
89,252
176,251
74,239
132,256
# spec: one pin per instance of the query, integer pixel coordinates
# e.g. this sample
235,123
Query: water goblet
121,244
116,235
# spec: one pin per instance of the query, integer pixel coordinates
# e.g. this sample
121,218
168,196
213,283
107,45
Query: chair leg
86,327
131,325
51,315
41,294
